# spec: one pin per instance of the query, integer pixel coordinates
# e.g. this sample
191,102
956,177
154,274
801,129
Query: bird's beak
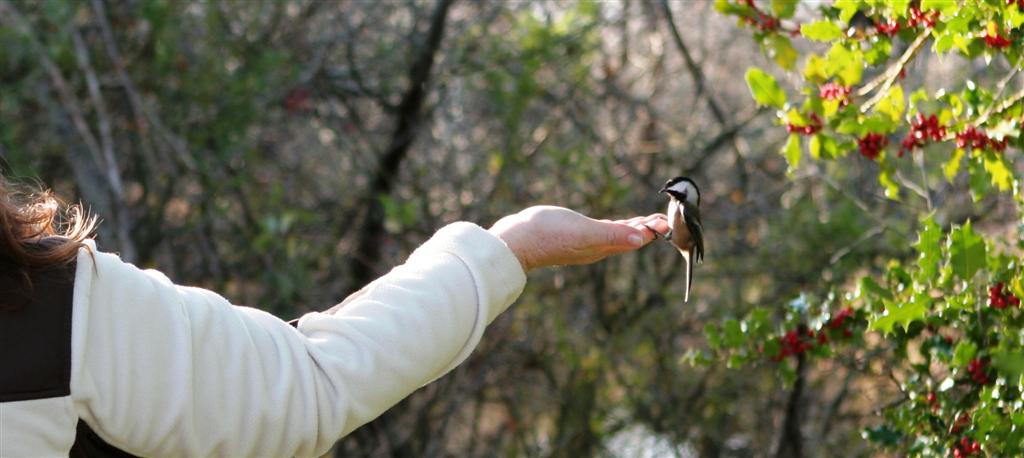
663,190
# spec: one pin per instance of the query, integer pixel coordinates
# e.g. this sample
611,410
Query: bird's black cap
673,181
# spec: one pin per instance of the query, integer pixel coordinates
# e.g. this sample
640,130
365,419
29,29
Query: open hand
544,236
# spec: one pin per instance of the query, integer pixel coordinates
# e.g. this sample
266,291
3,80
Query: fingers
651,225
630,234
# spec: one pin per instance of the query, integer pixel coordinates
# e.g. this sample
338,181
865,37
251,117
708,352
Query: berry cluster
922,129
834,91
977,369
997,298
809,129
794,343
977,139
918,17
888,27
997,40
966,447
836,323
797,341
871,145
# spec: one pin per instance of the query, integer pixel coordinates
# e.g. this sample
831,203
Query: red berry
833,91
871,145
997,40
888,27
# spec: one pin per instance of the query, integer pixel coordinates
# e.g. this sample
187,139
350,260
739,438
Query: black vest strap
90,445
35,334
35,345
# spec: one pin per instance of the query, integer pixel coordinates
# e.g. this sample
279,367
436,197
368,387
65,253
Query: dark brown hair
28,218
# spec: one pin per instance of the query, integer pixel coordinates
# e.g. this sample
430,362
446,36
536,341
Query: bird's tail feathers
689,275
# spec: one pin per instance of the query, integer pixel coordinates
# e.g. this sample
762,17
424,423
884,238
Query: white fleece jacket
165,370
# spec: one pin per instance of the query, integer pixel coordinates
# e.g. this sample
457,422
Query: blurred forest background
284,153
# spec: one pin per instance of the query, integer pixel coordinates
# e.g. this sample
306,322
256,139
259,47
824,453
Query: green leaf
885,178
713,336
1009,363
893,104
952,167
947,7
823,147
928,247
847,64
966,251
784,8
814,146
781,50
978,178
996,167
765,90
823,30
944,43
869,285
816,68
902,314
964,353
850,126
847,8
733,333
792,151
879,51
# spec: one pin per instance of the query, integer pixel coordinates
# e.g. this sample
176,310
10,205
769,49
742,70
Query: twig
885,80
140,109
1011,101
871,233
109,161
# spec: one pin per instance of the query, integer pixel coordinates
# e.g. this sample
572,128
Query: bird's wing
696,228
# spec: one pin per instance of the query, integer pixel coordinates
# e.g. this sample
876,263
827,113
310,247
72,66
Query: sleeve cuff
498,275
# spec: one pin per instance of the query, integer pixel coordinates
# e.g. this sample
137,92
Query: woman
102,357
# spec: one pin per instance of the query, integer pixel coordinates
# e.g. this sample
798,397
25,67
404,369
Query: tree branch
409,120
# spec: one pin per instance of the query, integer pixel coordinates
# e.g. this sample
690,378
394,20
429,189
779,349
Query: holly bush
946,319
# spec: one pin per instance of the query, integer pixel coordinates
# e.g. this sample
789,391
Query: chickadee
686,232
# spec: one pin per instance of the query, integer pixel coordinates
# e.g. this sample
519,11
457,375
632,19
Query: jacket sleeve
165,370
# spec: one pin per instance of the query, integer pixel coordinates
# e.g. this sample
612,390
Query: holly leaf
823,30
966,251
733,333
713,336
1009,363
784,8
847,8
893,104
765,89
869,285
847,64
816,68
901,313
822,147
996,167
792,151
964,353
945,6
952,167
928,247
885,178
782,51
